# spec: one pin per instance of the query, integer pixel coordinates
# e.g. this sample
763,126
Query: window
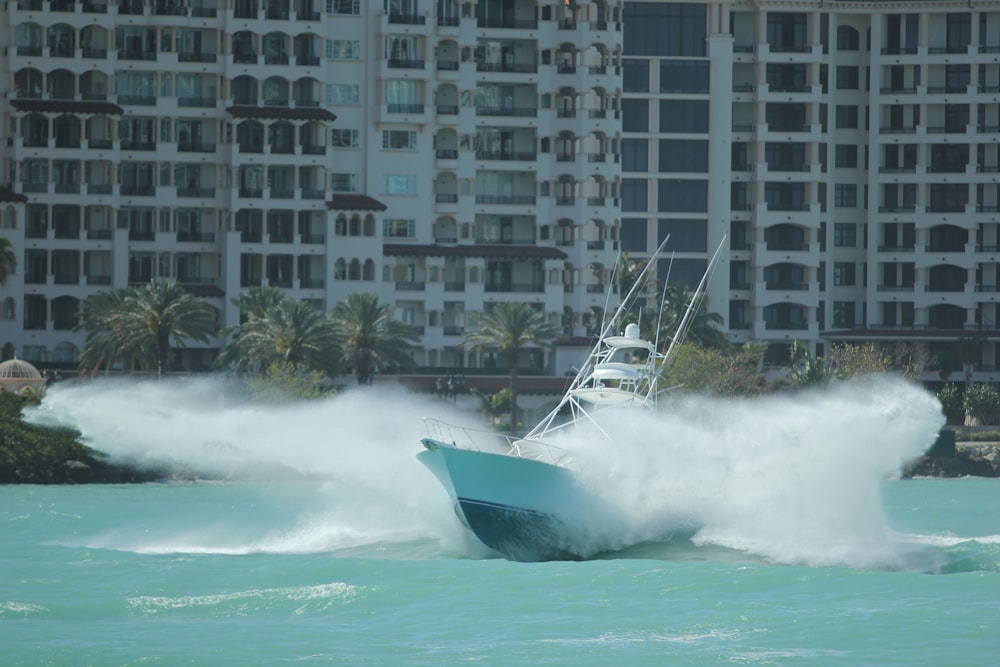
343,93
343,49
344,138
845,234
399,184
843,273
959,32
674,29
343,6
344,182
845,195
635,116
847,77
685,235
682,196
846,156
786,31
843,313
399,228
689,116
633,235
847,38
635,76
683,155
635,155
635,194
847,116
684,76
399,139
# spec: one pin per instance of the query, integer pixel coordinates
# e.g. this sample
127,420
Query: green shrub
982,403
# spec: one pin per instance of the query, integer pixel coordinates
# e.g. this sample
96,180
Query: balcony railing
195,147
515,112
407,19
505,199
394,107
523,156
406,63
196,57
509,23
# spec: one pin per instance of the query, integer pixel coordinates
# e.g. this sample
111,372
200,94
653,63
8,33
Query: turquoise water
327,543
209,574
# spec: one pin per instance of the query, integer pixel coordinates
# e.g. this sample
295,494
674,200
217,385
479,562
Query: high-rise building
448,155
850,153
444,155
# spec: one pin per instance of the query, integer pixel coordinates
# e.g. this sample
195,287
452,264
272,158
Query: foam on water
794,478
791,478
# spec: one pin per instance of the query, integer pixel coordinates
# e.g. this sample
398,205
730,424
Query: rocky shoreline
971,459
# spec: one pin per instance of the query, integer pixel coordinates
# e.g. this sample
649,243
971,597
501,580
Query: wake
793,478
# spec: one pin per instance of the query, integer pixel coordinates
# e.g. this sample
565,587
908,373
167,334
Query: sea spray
359,444
795,478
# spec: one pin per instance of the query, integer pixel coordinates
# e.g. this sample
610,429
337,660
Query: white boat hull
524,509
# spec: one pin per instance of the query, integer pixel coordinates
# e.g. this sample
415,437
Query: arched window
847,38
340,269
355,227
340,226
10,218
369,228
368,273
354,270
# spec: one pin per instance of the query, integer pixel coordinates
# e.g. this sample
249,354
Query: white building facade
444,155
448,155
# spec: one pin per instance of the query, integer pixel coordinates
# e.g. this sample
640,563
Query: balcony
522,68
139,190
136,145
510,112
137,100
508,23
195,147
196,57
195,192
200,102
195,237
405,63
128,54
522,156
407,19
405,108
519,200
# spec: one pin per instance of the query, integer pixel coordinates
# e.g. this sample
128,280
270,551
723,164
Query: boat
525,498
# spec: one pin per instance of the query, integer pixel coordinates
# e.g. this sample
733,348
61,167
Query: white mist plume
360,444
794,478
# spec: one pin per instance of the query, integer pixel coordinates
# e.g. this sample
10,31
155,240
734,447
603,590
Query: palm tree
370,339
8,260
257,301
510,327
701,325
137,324
105,346
283,331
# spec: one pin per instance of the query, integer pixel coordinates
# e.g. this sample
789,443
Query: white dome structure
20,377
